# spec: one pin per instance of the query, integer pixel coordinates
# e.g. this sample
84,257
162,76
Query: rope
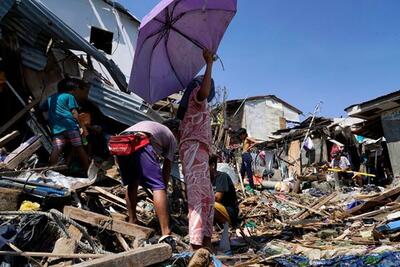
59,218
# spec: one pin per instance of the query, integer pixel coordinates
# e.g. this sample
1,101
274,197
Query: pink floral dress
194,150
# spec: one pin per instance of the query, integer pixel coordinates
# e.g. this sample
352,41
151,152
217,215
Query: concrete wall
261,117
259,121
391,129
81,15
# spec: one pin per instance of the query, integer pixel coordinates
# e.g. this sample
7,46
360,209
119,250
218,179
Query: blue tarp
386,259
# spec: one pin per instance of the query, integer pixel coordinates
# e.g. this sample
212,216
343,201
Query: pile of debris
287,229
50,218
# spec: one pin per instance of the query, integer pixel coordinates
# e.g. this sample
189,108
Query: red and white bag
125,145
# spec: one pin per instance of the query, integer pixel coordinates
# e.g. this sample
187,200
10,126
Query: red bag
124,145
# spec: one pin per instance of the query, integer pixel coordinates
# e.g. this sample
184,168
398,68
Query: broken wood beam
300,206
66,246
53,168
48,254
374,202
113,202
21,153
316,205
375,212
7,138
105,222
109,195
123,243
18,116
140,257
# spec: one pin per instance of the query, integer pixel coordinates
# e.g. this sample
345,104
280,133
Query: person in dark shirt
226,203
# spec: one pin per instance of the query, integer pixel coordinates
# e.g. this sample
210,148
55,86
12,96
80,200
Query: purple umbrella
170,44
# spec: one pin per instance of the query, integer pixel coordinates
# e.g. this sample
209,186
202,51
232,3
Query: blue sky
340,52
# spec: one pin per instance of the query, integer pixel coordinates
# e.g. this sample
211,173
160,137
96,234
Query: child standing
62,113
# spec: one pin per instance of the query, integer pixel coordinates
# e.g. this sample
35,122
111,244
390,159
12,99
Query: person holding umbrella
195,150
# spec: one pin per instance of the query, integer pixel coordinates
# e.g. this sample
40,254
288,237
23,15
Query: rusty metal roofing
122,107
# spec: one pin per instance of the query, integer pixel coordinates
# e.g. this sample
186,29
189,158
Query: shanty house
261,115
382,118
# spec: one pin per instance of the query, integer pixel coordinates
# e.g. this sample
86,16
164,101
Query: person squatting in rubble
142,167
195,151
61,110
341,162
247,160
226,203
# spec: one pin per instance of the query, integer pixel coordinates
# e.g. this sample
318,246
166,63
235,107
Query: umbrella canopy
169,51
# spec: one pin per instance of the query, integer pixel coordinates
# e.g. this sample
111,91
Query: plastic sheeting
386,259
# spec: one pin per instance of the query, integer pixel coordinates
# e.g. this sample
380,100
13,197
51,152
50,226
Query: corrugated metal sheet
125,108
50,23
34,23
33,58
5,6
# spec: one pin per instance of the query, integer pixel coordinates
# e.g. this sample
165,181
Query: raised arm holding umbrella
172,37
176,39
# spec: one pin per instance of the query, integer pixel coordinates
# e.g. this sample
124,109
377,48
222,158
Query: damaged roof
35,25
273,97
122,107
37,29
118,6
375,107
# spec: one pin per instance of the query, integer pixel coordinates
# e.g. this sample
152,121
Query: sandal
170,240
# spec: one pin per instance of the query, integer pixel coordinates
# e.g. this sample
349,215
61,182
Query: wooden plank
123,243
301,206
66,246
317,206
104,222
374,202
47,254
7,138
109,195
313,205
119,216
241,180
112,202
146,256
53,168
23,152
18,116
375,212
